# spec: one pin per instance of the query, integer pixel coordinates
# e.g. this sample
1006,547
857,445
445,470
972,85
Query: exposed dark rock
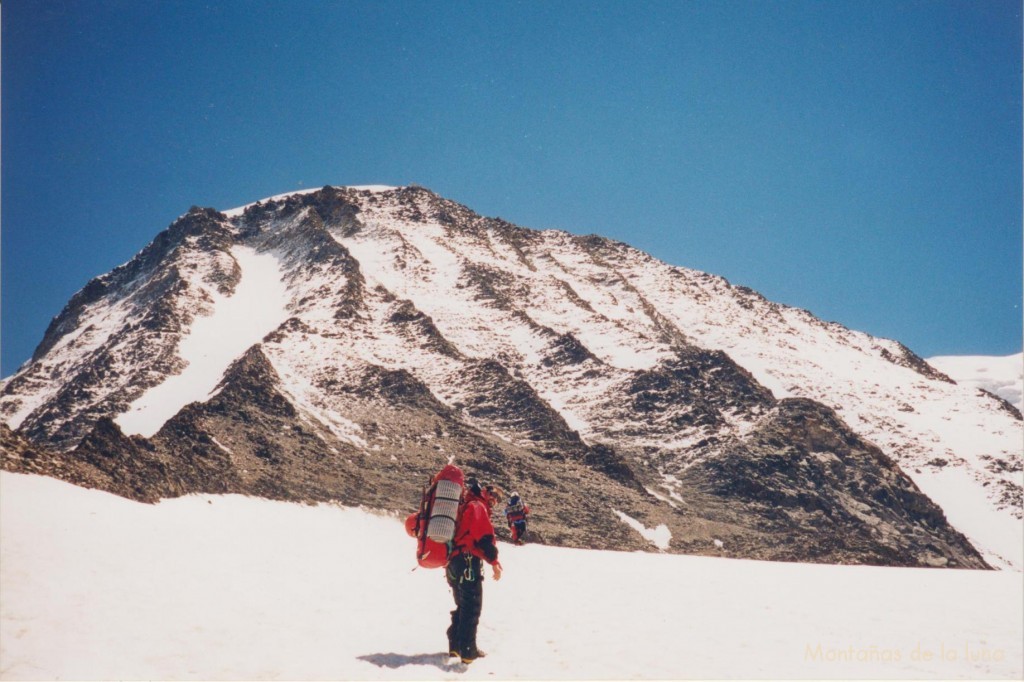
141,351
512,405
607,461
417,324
1004,404
251,381
131,465
22,456
568,351
805,475
336,209
204,225
399,387
695,388
310,254
907,358
492,285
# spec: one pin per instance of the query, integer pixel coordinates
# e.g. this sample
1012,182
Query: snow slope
228,587
257,306
1003,375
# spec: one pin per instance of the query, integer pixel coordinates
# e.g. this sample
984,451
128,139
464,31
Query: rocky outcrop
93,366
200,224
697,388
804,476
905,357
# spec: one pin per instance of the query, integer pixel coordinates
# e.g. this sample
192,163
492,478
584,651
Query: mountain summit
344,343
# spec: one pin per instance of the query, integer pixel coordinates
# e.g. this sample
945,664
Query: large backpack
439,513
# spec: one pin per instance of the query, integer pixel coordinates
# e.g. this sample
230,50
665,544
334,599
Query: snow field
257,306
1003,376
229,587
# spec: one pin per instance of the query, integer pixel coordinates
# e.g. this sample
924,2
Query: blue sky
859,159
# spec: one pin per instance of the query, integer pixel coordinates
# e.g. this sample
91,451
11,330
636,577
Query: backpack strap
456,537
421,517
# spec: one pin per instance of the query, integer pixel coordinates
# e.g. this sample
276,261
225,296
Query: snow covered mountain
344,343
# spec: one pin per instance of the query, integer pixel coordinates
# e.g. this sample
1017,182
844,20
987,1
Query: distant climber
515,513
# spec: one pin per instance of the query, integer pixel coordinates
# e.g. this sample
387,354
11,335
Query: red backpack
433,525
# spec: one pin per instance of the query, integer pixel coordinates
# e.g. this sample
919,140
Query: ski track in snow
257,307
231,587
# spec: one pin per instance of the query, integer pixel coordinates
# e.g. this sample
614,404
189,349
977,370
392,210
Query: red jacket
474,533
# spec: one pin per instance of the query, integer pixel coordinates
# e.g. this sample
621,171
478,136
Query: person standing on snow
474,543
515,513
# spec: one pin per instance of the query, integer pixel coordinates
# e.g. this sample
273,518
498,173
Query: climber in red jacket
474,543
515,513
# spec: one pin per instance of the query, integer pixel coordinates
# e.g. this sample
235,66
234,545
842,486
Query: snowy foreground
93,586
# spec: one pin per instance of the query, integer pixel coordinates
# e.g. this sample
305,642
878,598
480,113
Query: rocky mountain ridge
586,374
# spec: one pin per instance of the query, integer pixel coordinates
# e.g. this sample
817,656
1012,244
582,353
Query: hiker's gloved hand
497,570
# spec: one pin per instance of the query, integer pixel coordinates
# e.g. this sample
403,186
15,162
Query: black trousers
465,577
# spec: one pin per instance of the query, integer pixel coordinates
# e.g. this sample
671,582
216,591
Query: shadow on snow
393,660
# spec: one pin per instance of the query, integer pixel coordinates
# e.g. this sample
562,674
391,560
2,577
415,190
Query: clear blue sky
860,158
